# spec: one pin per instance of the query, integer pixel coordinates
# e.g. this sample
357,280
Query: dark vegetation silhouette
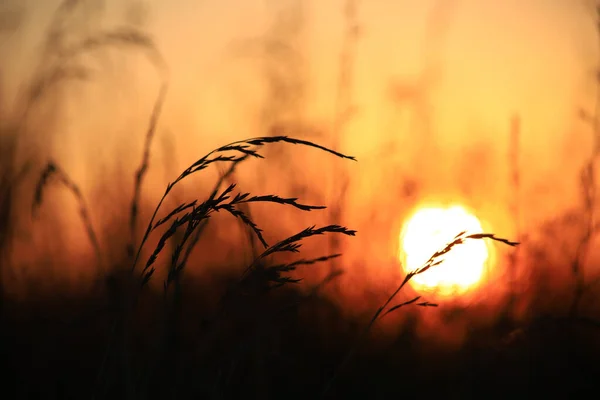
253,332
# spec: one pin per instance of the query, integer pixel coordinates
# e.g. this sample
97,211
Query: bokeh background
491,105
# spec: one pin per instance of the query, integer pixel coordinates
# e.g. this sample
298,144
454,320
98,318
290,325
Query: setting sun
429,230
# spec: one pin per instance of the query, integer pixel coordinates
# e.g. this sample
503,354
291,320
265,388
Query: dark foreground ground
55,348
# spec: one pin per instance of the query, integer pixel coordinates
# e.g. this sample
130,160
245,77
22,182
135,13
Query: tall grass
60,62
189,217
183,225
260,276
435,260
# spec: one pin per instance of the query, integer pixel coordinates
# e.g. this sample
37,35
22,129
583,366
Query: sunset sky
446,75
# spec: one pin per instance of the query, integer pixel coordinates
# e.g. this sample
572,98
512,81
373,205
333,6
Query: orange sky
455,70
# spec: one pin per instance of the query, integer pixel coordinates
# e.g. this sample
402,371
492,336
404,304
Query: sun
431,229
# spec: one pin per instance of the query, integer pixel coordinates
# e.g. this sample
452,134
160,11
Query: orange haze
432,89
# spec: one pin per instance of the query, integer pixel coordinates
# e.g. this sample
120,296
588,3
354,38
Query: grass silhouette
258,331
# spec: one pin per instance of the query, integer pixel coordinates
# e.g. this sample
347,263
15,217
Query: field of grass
259,324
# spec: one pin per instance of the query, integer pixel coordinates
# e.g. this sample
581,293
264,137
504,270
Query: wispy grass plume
184,223
143,168
433,261
232,153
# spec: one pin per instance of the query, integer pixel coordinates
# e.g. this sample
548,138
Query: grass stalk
52,170
434,261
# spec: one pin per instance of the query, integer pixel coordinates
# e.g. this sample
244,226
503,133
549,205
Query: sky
434,86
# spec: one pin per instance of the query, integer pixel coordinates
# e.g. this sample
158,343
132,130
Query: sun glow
431,229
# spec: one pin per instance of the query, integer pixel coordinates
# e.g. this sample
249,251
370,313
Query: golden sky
435,84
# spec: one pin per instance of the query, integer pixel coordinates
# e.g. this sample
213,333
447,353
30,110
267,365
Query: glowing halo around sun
430,229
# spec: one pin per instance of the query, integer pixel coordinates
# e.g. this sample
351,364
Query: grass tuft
197,213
